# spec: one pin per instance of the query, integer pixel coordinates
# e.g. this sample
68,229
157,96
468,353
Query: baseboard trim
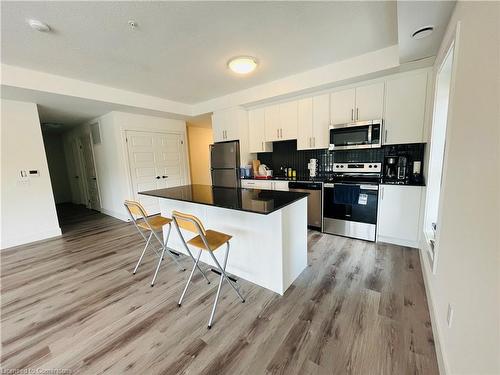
117,215
443,368
398,241
32,237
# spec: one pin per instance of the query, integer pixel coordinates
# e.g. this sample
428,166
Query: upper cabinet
405,109
226,124
257,131
232,125
369,102
357,104
288,120
272,123
314,120
342,106
281,121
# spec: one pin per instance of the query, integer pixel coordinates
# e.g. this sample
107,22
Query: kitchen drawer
257,184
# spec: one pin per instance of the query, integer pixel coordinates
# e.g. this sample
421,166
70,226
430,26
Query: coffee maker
396,170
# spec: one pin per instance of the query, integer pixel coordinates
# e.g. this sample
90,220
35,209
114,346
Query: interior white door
90,173
156,161
77,180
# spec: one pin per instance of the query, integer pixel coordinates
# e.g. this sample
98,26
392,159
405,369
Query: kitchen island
269,229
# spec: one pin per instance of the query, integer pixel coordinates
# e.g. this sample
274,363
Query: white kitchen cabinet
405,109
257,184
288,120
232,125
256,131
314,119
342,106
357,104
272,123
225,124
369,102
321,121
305,124
399,214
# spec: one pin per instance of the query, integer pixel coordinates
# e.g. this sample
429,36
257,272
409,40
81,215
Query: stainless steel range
351,200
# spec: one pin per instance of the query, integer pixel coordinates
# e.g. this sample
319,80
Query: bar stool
153,225
208,240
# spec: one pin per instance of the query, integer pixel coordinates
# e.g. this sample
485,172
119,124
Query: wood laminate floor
73,303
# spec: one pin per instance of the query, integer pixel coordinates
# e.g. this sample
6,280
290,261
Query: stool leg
190,277
143,252
164,246
161,258
219,287
191,254
223,272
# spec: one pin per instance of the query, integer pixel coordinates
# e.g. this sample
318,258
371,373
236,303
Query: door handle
314,141
357,113
157,177
352,114
281,133
164,176
93,178
385,136
262,146
277,133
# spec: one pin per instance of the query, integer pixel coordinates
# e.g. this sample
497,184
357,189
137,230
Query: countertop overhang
249,200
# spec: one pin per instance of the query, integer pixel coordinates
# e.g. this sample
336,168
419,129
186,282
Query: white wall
468,251
56,160
28,209
111,155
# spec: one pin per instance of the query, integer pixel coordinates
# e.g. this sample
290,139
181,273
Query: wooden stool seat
214,239
156,223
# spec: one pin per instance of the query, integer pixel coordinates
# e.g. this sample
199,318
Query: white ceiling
415,14
180,49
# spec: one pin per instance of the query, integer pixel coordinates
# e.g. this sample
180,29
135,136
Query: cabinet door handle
281,133
262,146
310,142
352,114
385,136
277,133
314,141
357,113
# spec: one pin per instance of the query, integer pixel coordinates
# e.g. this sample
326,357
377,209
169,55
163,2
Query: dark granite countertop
249,200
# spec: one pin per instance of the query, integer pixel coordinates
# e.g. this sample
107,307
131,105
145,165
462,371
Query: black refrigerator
225,164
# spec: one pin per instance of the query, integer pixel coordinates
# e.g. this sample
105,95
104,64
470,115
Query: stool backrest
135,209
188,222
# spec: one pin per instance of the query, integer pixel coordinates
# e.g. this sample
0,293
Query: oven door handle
361,186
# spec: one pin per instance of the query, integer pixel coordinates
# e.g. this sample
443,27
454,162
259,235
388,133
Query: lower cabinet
265,184
399,214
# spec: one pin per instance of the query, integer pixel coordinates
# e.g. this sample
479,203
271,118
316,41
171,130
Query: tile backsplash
285,154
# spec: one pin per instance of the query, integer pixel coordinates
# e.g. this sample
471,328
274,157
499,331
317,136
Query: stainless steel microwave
356,135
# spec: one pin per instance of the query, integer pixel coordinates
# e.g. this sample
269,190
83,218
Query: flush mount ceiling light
38,25
422,32
242,64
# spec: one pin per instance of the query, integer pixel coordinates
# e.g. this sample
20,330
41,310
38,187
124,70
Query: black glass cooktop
249,200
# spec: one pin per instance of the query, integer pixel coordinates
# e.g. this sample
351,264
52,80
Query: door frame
84,170
128,174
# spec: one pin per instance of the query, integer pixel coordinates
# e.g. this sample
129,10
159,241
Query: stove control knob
370,166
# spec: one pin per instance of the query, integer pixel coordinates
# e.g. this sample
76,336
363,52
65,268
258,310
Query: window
437,152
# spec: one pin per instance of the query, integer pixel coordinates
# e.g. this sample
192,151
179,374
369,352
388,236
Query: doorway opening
70,158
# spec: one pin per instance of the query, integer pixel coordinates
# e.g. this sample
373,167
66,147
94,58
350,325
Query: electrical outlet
449,316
